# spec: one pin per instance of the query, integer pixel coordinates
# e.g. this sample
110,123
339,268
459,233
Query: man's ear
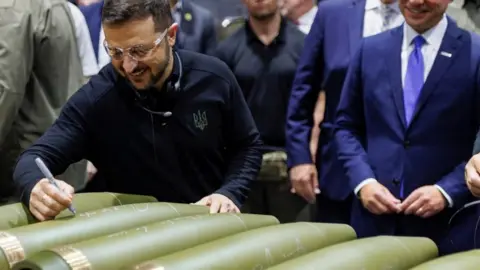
172,34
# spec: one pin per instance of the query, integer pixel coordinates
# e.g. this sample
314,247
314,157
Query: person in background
406,122
197,31
323,65
460,11
263,55
39,70
89,67
93,17
473,10
300,12
156,121
84,44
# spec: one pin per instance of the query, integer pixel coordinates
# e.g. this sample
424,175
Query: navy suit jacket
334,36
196,33
93,17
199,33
374,141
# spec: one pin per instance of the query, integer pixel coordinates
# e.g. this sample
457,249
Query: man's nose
129,64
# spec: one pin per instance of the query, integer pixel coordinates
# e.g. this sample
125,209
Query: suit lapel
450,44
392,56
355,17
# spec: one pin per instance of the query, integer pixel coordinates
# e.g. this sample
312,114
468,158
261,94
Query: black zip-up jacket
209,144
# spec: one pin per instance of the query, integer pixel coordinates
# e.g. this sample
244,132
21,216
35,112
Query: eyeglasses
136,52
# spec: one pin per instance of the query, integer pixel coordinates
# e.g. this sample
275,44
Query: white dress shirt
433,38
306,20
103,57
373,19
84,44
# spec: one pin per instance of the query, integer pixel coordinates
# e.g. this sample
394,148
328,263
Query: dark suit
196,33
335,34
93,17
197,30
374,140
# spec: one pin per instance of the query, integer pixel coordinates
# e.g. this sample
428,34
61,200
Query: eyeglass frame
123,50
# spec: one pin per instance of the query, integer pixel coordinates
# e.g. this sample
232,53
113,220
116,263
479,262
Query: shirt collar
281,37
376,4
433,36
307,18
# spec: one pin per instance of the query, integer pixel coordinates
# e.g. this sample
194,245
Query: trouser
9,152
270,193
333,211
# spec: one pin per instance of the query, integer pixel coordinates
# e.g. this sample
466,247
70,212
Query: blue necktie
413,83
414,78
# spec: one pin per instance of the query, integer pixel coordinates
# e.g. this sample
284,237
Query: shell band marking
73,257
12,248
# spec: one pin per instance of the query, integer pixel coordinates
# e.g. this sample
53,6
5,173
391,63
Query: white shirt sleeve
84,42
362,184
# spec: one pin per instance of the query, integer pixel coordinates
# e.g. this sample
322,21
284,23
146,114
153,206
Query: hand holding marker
46,172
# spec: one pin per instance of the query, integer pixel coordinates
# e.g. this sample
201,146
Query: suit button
396,181
406,143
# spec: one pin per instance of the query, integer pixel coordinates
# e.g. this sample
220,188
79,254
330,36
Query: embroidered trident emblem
200,120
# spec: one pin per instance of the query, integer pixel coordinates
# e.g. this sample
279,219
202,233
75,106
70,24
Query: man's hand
424,202
472,176
378,200
304,181
47,201
219,203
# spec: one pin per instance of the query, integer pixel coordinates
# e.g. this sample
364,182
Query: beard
162,67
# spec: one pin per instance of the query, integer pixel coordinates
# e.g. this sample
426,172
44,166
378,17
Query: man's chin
139,86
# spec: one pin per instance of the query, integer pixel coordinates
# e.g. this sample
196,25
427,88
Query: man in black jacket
156,121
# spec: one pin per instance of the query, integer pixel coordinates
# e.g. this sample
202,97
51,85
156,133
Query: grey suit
197,28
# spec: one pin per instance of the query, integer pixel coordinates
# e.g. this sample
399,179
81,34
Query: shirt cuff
362,184
445,194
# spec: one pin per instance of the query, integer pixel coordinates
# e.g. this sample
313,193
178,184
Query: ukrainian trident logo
200,120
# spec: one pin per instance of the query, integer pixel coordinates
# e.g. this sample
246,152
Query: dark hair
122,11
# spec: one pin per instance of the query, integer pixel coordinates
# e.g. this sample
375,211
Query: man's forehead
129,33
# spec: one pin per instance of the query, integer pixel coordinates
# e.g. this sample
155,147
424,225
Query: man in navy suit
336,32
406,123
